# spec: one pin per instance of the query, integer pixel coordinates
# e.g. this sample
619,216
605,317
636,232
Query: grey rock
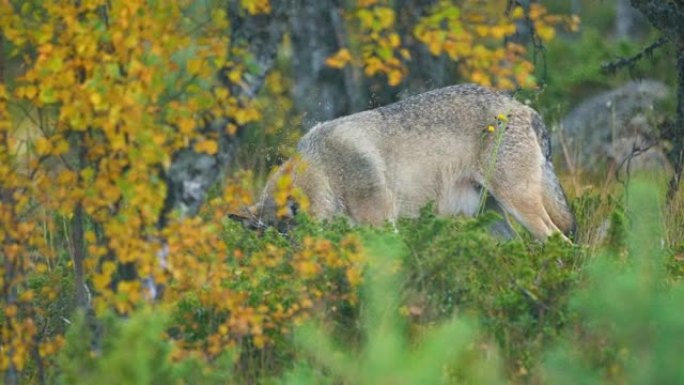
615,129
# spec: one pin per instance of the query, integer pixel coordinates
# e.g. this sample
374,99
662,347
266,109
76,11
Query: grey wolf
442,146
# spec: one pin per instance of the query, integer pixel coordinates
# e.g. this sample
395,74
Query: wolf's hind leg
518,187
529,210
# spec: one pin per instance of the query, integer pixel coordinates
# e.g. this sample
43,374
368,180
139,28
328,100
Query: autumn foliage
115,90
476,34
112,90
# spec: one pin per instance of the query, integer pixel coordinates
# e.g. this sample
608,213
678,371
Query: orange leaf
207,146
339,59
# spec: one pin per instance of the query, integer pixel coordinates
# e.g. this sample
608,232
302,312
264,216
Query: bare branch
630,62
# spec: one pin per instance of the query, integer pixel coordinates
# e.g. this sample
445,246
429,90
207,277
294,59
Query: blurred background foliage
130,131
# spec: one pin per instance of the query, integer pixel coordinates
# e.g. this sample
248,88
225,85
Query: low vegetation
434,299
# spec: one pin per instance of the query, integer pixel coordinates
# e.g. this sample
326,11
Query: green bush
131,351
444,353
442,301
517,289
630,326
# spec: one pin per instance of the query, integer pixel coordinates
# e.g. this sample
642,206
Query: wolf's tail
555,201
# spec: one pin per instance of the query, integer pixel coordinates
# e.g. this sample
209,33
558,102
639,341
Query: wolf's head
266,213
279,203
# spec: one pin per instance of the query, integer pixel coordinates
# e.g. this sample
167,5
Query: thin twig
636,151
630,62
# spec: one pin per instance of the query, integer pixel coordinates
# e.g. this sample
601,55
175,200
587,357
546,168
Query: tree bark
2,60
676,155
629,22
426,71
668,17
191,174
321,93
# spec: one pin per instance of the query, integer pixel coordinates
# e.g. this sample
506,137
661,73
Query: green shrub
517,289
443,353
630,326
131,351
442,301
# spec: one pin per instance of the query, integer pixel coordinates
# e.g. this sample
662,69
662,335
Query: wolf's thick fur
438,146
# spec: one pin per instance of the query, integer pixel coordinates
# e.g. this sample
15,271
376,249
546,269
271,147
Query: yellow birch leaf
186,125
482,30
394,77
385,16
235,76
365,3
499,31
208,146
546,32
42,146
434,45
89,236
96,100
61,147
30,91
194,66
518,13
394,40
255,7
26,296
339,59
231,128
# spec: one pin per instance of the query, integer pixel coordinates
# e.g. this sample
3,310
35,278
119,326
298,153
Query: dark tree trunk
668,17
322,93
2,60
676,155
426,71
78,255
629,22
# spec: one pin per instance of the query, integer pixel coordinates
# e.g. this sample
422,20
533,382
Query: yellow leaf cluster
208,146
278,117
255,297
365,3
380,49
339,59
21,238
236,195
255,7
545,24
114,100
286,190
225,283
474,35
246,115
